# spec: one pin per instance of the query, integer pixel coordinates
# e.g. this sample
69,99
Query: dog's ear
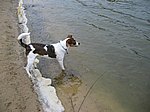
69,36
69,41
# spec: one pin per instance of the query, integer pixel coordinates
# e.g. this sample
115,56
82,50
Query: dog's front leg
60,59
61,63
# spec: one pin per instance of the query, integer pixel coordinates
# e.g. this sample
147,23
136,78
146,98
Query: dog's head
71,42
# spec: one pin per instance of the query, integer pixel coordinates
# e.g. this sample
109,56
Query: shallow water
114,52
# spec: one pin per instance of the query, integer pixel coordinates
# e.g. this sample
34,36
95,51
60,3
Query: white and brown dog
57,50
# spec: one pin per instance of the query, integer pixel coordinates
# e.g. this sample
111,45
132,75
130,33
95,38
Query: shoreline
46,93
16,91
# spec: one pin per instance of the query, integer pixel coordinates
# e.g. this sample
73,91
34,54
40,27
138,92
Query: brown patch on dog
28,49
71,41
39,49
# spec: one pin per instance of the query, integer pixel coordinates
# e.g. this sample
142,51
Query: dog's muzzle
77,44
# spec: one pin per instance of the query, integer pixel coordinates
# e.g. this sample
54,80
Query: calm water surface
110,71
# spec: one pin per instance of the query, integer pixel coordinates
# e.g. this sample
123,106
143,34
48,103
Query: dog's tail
20,39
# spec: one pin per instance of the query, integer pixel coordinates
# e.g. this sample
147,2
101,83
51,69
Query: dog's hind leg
30,60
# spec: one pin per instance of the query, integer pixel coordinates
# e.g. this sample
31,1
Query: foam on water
46,93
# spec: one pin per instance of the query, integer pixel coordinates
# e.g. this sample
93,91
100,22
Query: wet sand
16,91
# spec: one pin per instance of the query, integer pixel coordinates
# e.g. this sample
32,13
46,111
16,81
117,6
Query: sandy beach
16,91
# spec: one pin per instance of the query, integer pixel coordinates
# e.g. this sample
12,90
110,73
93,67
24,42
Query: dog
57,50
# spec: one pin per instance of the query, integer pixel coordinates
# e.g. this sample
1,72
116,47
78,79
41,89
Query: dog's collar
63,47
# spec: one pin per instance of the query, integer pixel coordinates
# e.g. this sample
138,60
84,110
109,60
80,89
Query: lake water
110,70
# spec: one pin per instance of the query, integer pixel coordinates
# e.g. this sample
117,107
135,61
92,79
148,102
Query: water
115,49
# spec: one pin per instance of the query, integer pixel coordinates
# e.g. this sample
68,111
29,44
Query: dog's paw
30,76
63,72
63,69
28,72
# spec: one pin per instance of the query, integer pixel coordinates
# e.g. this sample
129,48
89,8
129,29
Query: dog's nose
79,43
